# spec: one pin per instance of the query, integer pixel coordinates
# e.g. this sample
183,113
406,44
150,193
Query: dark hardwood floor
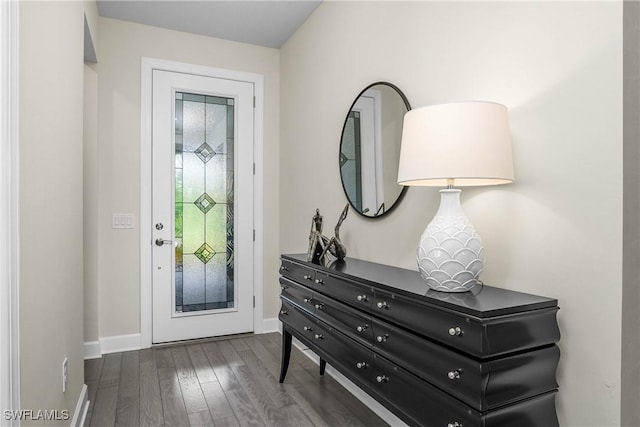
231,382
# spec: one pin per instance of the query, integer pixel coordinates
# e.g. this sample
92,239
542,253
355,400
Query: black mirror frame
344,190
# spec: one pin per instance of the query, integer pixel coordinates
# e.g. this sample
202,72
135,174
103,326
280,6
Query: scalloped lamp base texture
450,254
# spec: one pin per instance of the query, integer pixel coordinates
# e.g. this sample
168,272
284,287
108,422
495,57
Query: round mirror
370,150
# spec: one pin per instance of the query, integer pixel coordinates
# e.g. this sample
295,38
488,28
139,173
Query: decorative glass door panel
204,131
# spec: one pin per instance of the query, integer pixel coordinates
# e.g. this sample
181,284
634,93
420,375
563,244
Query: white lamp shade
468,142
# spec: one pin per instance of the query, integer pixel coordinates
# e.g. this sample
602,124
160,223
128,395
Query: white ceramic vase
450,254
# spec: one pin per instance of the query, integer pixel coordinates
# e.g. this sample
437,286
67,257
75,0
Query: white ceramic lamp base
450,254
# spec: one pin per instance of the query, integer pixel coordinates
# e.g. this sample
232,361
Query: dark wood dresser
485,358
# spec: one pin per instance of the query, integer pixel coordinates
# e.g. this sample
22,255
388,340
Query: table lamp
457,144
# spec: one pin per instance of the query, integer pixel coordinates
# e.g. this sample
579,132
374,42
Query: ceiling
264,23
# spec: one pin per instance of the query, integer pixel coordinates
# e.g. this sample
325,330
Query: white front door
202,207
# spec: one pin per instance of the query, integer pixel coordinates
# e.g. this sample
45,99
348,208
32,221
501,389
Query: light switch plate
122,221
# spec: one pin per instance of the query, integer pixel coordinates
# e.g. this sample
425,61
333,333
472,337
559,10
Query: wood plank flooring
222,383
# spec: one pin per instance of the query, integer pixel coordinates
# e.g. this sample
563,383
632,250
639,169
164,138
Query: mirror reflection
370,150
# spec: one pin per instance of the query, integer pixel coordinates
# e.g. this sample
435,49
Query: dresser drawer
351,293
415,400
513,333
353,323
432,362
477,337
483,385
297,272
535,412
422,404
302,323
351,359
298,294
454,330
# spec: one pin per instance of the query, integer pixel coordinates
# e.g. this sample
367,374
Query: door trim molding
9,204
146,221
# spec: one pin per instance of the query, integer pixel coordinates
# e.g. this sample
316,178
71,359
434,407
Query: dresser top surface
481,301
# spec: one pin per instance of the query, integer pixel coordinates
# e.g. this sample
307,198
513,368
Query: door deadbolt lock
159,226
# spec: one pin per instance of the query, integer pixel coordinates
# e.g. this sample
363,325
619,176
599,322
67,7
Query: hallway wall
51,206
556,231
121,46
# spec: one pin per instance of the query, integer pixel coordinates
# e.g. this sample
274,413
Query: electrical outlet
65,374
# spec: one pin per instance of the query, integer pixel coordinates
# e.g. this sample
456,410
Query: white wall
557,231
51,258
121,46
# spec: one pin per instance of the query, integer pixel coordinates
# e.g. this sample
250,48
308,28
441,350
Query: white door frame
369,105
9,221
146,104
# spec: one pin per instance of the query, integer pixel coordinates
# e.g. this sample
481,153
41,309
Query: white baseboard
356,391
115,344
120,343
270,325
80,414
92,350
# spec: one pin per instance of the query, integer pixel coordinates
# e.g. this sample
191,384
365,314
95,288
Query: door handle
160,242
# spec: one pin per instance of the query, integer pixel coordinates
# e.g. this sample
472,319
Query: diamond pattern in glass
205,152
204,203
343,159
205,253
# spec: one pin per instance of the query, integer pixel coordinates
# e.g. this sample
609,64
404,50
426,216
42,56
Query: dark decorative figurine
319,244
317,241
335,245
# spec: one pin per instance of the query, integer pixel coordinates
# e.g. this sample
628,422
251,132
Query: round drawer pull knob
318,336
307,277
319,282
381,338
308,300
382,304
382,378
283,268
456,424
362,298
308,328
361,365
319,306
284,312
454,375
455,332
361,328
